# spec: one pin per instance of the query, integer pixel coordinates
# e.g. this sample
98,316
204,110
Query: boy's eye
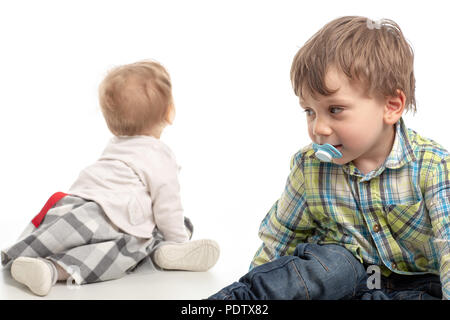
336,110
309,112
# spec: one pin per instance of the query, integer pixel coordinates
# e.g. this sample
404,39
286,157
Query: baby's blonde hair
135,97
375,52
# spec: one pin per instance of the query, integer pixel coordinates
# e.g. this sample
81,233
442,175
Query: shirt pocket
409,222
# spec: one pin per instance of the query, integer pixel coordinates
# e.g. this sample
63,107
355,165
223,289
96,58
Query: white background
238,121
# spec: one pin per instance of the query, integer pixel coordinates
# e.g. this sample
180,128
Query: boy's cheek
311,136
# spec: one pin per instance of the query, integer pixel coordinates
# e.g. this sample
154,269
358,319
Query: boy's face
351,121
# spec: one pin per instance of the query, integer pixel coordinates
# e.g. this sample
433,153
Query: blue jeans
404,287
321,272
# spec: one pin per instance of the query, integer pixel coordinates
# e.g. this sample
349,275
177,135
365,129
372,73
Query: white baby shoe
37,274
195,255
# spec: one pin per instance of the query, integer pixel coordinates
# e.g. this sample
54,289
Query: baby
123,208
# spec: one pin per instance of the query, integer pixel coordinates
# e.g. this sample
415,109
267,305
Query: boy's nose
321,128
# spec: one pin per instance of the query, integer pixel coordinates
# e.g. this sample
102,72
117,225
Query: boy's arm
288,222
437,195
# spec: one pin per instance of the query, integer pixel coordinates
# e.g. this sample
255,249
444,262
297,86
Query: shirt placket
371,207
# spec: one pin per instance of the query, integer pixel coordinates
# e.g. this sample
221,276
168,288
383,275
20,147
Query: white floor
148,283
157,285
144,284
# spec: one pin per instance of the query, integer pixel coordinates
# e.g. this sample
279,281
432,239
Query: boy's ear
394,107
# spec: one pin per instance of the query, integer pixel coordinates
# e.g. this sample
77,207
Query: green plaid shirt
397,217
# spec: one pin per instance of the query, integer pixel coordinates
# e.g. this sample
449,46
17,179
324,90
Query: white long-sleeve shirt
135,181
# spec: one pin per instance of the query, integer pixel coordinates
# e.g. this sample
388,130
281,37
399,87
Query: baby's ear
170,115
394,107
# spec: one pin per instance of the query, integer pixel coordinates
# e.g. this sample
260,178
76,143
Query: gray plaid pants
77,235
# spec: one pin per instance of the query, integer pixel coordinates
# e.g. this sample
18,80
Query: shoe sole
33,273
196,255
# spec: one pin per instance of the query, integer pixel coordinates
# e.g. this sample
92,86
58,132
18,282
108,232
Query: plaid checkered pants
77,235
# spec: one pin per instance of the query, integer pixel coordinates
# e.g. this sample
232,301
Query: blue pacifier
326,152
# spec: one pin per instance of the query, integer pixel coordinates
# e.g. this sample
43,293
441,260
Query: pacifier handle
326,152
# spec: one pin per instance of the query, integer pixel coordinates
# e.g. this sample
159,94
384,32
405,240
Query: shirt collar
401,153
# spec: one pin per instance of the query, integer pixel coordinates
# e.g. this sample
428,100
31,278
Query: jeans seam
323,265
301,278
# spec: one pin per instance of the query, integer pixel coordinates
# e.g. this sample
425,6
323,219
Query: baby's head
355,78
136,99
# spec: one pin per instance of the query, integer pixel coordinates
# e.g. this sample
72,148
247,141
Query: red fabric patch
48,205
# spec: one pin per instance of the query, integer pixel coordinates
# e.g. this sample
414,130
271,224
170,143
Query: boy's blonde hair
135,97
375,53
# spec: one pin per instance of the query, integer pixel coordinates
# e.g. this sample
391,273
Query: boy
384,204
124,207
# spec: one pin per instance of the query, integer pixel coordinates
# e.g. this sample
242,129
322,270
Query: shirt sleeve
162,180
288,222
438,202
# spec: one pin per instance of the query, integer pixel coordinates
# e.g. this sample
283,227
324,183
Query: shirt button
376,228
394,265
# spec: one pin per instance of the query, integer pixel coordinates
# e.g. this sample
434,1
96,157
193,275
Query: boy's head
136,99
354,78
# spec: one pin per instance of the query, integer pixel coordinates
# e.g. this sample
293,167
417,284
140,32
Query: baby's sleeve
161,177
288,222
437,195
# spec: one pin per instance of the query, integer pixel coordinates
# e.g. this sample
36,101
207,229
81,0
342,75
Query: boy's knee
330,271
332,258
